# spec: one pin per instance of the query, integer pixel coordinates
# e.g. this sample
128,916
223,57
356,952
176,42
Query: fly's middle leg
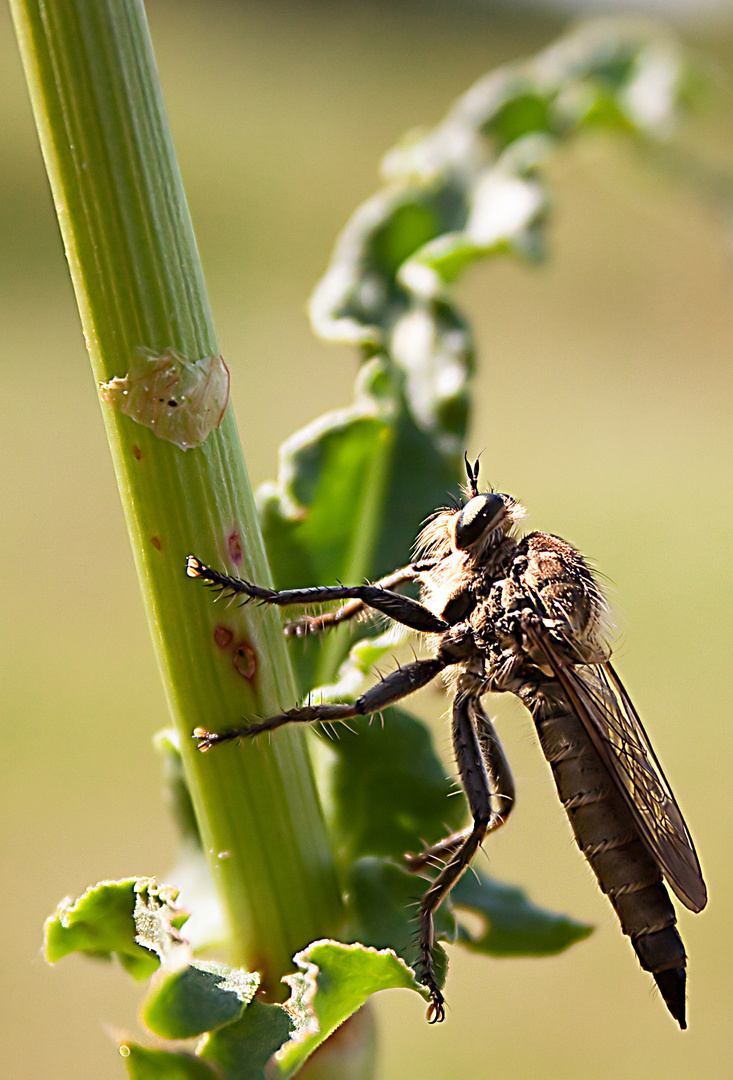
484,772
398,685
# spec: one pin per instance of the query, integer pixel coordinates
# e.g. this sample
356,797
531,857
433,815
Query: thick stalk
139,285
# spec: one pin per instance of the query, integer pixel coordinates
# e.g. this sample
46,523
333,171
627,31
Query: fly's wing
601,703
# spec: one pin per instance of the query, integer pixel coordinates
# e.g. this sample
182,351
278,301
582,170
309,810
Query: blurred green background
603,401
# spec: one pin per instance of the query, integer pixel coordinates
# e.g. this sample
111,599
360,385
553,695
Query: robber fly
525,616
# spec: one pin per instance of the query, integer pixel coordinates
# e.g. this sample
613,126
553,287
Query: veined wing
601,703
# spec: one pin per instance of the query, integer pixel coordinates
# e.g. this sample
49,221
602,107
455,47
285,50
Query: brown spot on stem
222,636
245,660
235,547
137,452
155,541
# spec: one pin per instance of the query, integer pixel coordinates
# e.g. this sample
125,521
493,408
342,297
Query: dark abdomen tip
671,985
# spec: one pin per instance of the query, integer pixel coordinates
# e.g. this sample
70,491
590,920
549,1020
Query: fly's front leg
473,739
501,782
316,624
400,608
398,685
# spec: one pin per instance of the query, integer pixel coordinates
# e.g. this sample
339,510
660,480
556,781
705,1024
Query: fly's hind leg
486,777
398,685
503,793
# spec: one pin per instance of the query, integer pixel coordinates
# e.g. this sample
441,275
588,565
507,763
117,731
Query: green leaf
145,1064
407,228
387,790
337,981
240,1051
352,492
200,997
470,188
424,343
514,926
308,517
520,115
420,476
135,920
354,487
358,298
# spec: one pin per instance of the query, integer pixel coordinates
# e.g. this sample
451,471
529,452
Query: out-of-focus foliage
513,925
354,487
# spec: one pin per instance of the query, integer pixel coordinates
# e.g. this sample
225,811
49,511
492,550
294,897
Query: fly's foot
206,739
194,567
223,583
417,861
436,1008
301,627
426,974
436,854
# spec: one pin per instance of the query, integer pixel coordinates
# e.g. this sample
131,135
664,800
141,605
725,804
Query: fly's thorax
560,587
468,676
452,588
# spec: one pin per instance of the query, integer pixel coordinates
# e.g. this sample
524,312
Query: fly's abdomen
606,834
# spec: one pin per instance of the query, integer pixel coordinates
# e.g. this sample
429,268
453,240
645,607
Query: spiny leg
474,740
397,685
502,788
316,624
400,608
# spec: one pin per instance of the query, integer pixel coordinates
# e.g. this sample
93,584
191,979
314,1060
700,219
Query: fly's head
476,529
484,520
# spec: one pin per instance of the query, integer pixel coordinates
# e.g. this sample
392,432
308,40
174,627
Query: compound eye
477,518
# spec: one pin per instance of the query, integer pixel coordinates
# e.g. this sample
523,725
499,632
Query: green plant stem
139,284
